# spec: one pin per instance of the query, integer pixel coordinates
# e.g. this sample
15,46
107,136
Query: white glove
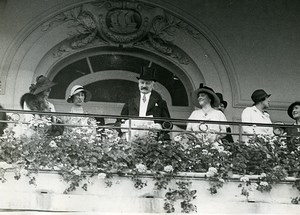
125,125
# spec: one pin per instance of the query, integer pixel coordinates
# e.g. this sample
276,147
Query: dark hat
215,101
291,107
259,95
222,101
76,89
42,83
147,73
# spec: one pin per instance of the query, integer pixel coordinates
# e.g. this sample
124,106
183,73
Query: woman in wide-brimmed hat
37,98
294,112
78,96
206,100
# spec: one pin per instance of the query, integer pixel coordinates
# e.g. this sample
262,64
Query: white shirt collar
147,95
257,110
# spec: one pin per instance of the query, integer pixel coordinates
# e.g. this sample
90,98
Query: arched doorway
110,74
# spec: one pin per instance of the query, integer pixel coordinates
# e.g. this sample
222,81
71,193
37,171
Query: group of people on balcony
210,106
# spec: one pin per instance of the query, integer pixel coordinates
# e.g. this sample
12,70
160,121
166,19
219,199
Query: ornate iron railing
15,117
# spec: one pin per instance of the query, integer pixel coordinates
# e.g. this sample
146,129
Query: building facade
232,46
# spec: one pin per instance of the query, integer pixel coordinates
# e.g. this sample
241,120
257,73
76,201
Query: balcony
92,169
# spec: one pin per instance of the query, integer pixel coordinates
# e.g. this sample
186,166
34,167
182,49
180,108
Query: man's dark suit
157,107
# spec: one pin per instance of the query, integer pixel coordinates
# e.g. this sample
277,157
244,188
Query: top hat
215,101
259,95
291,107
222,101
147,74
42,83
77,89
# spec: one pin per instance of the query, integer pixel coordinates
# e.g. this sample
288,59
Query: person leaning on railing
257,114
37,100
207,101
148,103
3,117
222,107
294,112
77,97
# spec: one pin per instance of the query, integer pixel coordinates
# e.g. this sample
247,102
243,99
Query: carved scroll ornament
122,23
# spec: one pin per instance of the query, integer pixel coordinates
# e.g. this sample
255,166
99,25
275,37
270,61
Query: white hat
76,89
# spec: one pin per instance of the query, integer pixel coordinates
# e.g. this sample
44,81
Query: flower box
122,196
93,170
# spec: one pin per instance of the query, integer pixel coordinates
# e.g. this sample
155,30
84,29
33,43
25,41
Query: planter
48,195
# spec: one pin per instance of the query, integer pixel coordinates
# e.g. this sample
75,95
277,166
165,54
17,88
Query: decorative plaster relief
130,24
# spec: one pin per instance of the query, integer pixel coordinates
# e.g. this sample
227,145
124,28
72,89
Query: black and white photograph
149,107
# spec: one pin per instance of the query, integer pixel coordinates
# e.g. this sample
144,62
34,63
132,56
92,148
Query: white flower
244,179
264,183
101,175
227,152
22,130
23,172
298,148
52,144
91,141
141,167
204,151
213,170
210,174
205,140
220,149
263,175
214,145
168,168
77,172
221,180
253,186
177,138
283,144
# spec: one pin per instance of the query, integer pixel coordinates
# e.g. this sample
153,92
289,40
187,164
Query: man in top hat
148,103
257,114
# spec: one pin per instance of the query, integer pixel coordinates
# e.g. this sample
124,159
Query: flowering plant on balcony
83,152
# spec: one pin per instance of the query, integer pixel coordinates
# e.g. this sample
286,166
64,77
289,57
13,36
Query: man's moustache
144,88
